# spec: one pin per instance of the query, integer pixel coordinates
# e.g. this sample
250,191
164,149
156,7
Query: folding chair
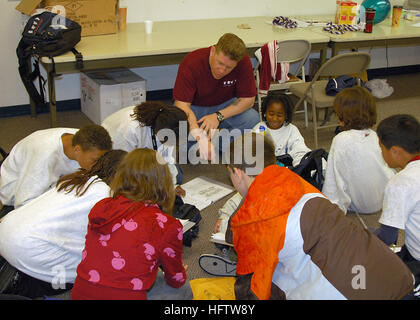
354,63
295,52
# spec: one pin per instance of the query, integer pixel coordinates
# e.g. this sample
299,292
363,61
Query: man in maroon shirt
215,87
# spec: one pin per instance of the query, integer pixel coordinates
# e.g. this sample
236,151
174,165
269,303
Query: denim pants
241,122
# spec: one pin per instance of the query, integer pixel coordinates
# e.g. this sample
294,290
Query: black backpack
310,167
187,212
45,35
3,155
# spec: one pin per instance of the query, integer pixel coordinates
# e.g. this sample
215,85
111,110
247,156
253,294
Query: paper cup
148,24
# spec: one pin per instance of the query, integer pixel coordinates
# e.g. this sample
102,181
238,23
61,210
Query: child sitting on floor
399,139
356,173
293,243
45,237
277,111
131,234
37,162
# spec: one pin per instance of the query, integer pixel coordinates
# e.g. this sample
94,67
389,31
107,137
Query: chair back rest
345,63
293,51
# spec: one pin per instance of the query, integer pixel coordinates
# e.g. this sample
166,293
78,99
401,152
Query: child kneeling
131,234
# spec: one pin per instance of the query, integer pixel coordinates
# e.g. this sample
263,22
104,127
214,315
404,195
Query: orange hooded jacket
259,226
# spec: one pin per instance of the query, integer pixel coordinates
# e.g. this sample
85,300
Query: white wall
67,86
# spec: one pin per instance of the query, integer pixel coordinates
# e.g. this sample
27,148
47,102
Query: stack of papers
202,192
186,225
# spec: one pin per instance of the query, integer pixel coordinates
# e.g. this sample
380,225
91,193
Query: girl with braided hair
137,127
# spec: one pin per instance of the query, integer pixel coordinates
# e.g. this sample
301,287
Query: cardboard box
95,16
107,91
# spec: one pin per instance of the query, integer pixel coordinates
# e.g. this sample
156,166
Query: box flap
101,78
124,76
27,6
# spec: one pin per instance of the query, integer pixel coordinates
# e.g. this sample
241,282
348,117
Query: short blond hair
232,46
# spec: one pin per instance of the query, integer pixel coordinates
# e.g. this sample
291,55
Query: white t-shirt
401,208
287,140
45,238
34,165
127,134
356,173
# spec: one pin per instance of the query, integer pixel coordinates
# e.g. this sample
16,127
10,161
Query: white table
169,42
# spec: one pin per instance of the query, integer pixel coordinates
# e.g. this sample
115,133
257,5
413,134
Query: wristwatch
220,116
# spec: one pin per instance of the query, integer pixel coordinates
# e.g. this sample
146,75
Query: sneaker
217,265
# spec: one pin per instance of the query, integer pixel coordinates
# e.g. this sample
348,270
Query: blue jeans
243,121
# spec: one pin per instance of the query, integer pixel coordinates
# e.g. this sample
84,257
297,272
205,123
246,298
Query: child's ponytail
159,116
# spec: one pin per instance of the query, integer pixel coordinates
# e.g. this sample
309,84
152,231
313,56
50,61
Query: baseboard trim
73,104
392,71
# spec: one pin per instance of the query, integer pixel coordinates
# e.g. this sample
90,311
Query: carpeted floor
405,99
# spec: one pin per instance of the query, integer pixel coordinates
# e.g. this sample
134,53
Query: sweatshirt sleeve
335,188
230,206
297,147
170,255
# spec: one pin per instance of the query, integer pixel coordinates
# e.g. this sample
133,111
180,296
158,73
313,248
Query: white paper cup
148,24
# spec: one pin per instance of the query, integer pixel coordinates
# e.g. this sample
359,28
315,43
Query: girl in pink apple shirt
131,234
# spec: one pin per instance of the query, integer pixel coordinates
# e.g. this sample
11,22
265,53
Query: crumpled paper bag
380,88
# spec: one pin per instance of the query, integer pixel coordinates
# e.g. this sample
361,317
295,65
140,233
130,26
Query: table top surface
380,31
171,37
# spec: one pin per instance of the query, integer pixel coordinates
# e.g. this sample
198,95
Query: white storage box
106,91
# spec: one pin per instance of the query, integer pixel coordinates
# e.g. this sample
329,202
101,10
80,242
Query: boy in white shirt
37,162
356,173
399,139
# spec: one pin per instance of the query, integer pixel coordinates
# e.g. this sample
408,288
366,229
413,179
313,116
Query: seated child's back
356,173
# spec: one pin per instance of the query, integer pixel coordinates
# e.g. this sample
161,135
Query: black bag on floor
187,212
3,155
285,159
45,35
310,167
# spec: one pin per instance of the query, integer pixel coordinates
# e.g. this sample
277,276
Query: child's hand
217,226
185,267
179,191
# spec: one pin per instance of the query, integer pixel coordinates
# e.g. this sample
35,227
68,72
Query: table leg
334,50
323,55
31,101
52,101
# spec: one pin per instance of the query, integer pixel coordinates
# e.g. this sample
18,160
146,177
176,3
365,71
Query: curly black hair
159,116
284,99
